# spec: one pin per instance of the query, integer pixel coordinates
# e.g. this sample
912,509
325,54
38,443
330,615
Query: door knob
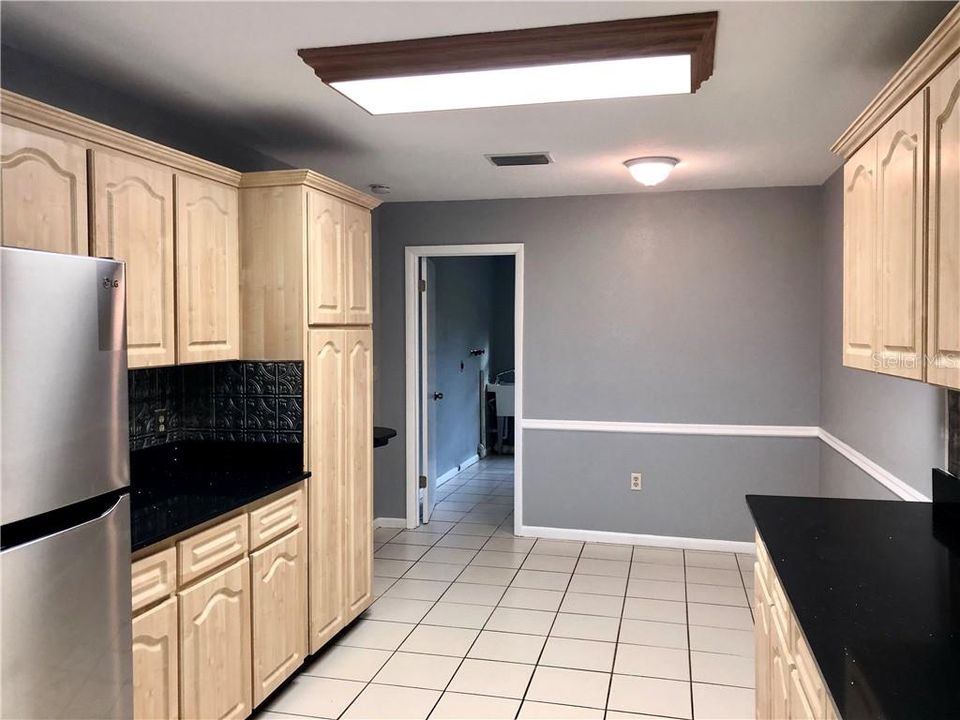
438,396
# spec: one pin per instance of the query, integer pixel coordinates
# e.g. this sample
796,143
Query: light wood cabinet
358,475
43,190
340,442
325,259
358,277
789,685
208,270
860,258
217,637
153,578
211,548
325,377
156,663
901,168
902,222
943,306
215,643
279,576
132,206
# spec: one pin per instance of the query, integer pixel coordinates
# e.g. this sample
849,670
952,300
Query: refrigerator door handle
59,520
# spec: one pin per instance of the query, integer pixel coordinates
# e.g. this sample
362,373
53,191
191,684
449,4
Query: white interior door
430,396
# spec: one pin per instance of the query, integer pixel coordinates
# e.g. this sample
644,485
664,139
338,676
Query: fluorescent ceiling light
651,171
631,77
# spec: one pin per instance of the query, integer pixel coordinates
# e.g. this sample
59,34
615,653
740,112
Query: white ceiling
789,77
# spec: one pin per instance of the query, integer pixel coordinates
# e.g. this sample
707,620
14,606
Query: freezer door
66,626
63,430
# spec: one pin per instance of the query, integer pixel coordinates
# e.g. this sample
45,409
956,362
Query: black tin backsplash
953,431
239,401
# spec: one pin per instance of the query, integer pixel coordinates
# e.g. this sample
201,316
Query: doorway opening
464,317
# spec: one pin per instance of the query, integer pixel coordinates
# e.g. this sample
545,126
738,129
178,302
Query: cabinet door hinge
423,481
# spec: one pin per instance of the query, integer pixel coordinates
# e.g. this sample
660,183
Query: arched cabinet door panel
208,271
325,442
279,599
133,221
156,663
943,295
215,657
43,191
860,258
325,247
358,476
901,164
358,278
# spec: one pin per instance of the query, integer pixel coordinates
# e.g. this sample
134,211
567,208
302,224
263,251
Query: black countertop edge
179,486
382,435
875,588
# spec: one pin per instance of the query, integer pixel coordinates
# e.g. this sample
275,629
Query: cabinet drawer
153,578
276,518
212,548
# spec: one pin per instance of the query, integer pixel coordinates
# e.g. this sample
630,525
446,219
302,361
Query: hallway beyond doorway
482,493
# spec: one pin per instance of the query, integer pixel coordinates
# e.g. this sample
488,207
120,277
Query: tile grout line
686,607
546,639
479,633
616,647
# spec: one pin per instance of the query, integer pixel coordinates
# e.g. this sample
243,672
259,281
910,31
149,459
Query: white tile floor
472,622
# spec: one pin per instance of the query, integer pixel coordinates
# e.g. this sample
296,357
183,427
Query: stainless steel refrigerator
65,617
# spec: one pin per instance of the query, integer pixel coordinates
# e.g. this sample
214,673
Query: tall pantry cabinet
306,254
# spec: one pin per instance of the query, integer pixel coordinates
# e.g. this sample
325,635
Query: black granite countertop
875,586
178,486
382,435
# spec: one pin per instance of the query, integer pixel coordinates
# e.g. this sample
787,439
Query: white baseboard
601,536
389,522
454,471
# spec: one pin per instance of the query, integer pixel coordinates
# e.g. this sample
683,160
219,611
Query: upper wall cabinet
132,207
901,297
860,257
943,309
43,184
306,248
358,276
901,163
325,275
208,270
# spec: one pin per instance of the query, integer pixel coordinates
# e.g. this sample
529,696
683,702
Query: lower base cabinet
789,685
215,652
156,663
279,573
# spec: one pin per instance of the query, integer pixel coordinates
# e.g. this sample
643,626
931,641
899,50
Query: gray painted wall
469,308
693,486
899,424
37,78
661,307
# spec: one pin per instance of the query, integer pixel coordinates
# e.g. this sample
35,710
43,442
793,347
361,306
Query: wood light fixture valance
620,58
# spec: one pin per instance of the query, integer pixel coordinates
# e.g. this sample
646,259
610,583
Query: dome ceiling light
667,55
651,171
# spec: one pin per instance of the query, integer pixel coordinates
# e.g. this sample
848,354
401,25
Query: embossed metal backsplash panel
953,432
241,401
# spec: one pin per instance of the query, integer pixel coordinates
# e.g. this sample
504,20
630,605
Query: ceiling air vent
539,158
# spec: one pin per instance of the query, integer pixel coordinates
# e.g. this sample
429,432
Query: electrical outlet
635,481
